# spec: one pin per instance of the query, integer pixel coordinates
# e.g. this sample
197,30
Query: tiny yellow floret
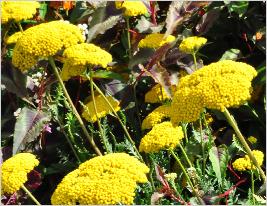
192,44
18,10
162,136
252,140
102,107
155,41
15,170
157,94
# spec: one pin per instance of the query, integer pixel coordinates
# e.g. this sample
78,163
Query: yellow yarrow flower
109,179
102,106
162,136
14,38
217,86
243,164
252,140
157,94
156,116
192,44
155,41
15,170
132,8
18,10
78,57
44,40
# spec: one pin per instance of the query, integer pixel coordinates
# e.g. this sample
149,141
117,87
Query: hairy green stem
30,195
187,177
209,132
202,144
195,59
185,155
117,116
252,186
89,137
20,27
232,122
97,119
128,37
152,166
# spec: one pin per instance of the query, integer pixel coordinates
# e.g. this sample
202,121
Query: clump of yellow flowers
156,116
243,164
157,94
15,170
162,136
44,40
109,179
102,107
14,38
155,41
217,86
18,10
252,140
132,8
77,57
192,44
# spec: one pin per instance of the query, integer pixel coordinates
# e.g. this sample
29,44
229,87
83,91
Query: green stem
20,27
30,195
187,176
89,137
252,186
185,155
128,36
195,59
209,132
232,122
184,131
202,144
117,116
97,119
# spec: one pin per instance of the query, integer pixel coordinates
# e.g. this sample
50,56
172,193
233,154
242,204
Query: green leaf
236,143
231,54
261,77
107,75
79,11
224,159
239,7
142,56
43,10
215,162
28,127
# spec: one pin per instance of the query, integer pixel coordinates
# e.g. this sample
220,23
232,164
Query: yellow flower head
243,164
155,41
132,8
44,40
102,107
109,179
77,57
157,94
156,116
192,44
240,164
14,38
18,10
162,136
217,86
252,140
15,170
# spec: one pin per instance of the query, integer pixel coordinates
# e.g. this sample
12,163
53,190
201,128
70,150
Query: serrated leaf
107,75
145,26
224,159
231,54
260,199
236,143
28,126
215,162
101,27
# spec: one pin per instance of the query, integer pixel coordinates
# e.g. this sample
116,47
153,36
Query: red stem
153,12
